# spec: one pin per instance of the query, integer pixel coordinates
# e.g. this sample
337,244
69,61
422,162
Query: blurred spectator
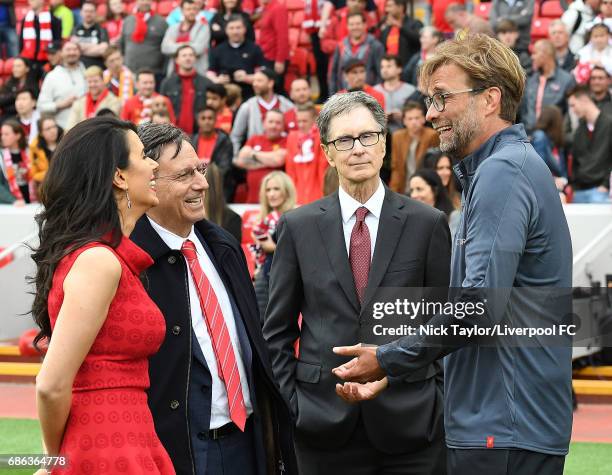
355,79
138,109
188,32
63,14
437,10
520,12
21,78
276,196
115,13
443,165
54,55
160,117
507,32
90,36
306,162
216,99
599,84
331,181
426,186
395,91
274,38
63,85
577,17
400,32
548,141
300,94
597,52
16,163
605,15
141,39
216,207
8,35
340,8
559,37
26,113
465,23
176,15
117,77
43,146
546,86
591,149
98,97
236,59
429,38
359,44
186,89
227,8
337,29
212,144
311,25
409,146
38,28
250,117
263,153
234,97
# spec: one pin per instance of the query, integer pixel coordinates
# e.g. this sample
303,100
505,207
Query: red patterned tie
222,345
360,251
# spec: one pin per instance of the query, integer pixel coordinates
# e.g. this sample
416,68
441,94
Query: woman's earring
129,203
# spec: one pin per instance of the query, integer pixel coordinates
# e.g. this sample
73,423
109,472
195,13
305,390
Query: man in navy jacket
188,397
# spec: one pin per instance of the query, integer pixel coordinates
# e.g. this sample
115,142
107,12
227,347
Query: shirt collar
174,241
348,204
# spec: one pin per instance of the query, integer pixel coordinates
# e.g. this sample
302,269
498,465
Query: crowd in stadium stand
245,80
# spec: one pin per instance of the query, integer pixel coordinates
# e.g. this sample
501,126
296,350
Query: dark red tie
219,334
360,251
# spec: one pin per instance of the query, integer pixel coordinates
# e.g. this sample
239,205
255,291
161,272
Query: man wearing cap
355,77
358,44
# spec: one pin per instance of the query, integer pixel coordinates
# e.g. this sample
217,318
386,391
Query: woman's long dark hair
431,159
22,143
550,121
237,8
214,201
79,201
442,201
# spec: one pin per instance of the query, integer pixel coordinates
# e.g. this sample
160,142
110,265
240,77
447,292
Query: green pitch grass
21,436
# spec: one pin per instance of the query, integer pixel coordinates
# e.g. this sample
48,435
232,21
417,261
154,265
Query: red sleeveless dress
110,428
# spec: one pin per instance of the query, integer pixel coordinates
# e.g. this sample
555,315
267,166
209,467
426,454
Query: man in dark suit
331,257
215,404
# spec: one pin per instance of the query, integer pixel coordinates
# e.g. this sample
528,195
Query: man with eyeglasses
213,396
513,247
332,255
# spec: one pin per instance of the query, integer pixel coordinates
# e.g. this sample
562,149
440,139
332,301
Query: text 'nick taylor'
469,332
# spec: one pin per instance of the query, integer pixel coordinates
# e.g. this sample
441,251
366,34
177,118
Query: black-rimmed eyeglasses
367,139
439,98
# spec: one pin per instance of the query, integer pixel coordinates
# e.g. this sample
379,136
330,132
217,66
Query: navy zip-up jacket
513,235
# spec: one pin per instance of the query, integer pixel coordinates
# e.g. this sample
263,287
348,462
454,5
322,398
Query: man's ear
120,180
493,97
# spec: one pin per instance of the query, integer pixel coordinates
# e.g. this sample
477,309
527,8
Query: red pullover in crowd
273,29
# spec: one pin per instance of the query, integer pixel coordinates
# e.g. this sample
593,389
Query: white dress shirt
348,207
219,412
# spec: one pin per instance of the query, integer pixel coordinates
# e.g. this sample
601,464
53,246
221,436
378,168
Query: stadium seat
483,9
539,28
551,9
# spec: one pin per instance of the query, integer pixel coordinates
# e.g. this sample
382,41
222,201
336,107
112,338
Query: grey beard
464,131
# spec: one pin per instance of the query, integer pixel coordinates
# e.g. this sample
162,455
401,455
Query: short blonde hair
93,71
286,184
487,62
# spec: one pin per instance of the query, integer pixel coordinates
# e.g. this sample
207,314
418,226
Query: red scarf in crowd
140,28
185,120
90,104
29,35
9,170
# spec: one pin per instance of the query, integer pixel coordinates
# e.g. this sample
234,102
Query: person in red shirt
355,77
216,99
300,94
263,153
138,108
211,143
273,37
306,163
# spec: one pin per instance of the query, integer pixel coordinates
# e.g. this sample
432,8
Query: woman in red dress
90,302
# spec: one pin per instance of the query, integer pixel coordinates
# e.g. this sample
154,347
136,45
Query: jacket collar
467,167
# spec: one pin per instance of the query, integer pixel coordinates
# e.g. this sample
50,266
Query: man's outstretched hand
355,392
364,368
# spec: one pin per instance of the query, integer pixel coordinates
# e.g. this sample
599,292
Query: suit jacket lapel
390,228
332,236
